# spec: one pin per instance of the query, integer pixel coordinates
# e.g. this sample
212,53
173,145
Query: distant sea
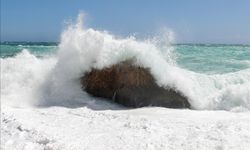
212,76
202,58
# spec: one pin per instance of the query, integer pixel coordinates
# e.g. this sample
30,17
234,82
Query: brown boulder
131,86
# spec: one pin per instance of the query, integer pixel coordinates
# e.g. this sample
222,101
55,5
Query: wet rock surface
131,86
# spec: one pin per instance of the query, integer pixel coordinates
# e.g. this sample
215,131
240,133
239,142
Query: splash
56,81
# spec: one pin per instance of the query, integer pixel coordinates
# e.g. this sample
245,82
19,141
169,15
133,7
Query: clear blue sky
199,21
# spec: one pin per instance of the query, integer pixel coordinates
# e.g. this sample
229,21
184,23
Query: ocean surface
202,58
223,69
212,76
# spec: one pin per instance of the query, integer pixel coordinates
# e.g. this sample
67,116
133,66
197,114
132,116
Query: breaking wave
28,79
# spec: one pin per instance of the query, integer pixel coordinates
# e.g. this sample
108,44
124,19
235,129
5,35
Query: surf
55,79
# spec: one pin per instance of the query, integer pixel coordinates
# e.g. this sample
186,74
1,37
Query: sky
192,21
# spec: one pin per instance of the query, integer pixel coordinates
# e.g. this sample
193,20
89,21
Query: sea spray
55,80
21,77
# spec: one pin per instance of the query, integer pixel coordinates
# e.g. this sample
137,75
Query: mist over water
213,77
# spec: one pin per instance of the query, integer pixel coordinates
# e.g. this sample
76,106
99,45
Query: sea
212,76
201,58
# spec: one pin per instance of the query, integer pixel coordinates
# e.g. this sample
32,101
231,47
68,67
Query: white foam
21,76
56,80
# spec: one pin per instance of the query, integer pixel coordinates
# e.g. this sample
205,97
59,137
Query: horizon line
174,43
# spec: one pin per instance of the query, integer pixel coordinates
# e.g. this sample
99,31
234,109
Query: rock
131,86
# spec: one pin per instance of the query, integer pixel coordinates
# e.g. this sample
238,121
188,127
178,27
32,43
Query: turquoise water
213,77
10,49
202,58
213,58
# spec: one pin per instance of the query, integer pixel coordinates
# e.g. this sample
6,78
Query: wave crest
57,80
